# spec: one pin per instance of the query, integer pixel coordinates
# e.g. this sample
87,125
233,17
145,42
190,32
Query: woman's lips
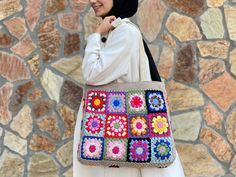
96,7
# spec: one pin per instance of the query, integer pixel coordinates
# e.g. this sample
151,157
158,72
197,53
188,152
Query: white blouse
117,60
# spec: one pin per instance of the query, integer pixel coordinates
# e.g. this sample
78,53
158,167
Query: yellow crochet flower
159,125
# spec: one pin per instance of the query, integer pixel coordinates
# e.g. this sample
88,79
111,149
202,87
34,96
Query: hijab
126,9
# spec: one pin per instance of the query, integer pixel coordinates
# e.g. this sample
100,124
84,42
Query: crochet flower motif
138,126
116,150
94,124
92,148
139,150
96,102
116,103
116,126
159,125
162,149
136,102
156,102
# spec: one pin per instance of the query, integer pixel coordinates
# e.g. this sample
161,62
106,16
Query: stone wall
41,49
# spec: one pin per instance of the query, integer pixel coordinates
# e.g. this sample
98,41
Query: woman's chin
100,14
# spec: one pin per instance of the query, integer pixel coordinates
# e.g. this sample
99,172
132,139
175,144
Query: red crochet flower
136,102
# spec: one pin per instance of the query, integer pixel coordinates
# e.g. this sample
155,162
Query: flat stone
42,165
212,139
212,116
69,21
70,67
16,26
69,118
90,23
5,40
32,13
22,122
168,39
5,94
64,154
232,61
224,95
217,48
69,173
230,13
42,107
78,6
41,143
9,7
34,65
72,44
194,8
155,52
20,94
210,69
215,3
233,166
185,68
9,160
166,62
49,124
183,27
186,126
49,39
15,143
212,24
16,69
35,95
230,127
197,161
53,6
52,83
72,94
151,27
177,94
24,47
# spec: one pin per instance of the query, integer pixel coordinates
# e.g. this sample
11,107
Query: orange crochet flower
138,126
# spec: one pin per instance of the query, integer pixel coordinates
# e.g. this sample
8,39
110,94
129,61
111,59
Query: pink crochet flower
92,148
116,150
94,124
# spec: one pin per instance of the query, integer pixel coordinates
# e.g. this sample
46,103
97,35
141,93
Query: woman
116,59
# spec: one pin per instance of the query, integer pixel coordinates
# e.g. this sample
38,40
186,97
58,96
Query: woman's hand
105,26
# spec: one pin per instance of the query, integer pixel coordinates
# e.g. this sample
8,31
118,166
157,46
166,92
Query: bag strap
143,65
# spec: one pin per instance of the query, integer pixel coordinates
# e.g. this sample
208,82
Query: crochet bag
127,124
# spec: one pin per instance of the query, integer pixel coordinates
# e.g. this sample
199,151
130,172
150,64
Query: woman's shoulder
127,28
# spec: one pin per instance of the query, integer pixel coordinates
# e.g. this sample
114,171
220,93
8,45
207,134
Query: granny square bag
127,124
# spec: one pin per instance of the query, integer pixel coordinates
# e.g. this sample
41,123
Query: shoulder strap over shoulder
143,64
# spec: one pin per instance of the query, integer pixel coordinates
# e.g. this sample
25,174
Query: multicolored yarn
130,127
115,149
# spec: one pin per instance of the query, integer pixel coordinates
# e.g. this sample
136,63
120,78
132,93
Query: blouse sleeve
104,65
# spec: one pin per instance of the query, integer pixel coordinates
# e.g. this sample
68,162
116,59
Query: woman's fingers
106,26
110,19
